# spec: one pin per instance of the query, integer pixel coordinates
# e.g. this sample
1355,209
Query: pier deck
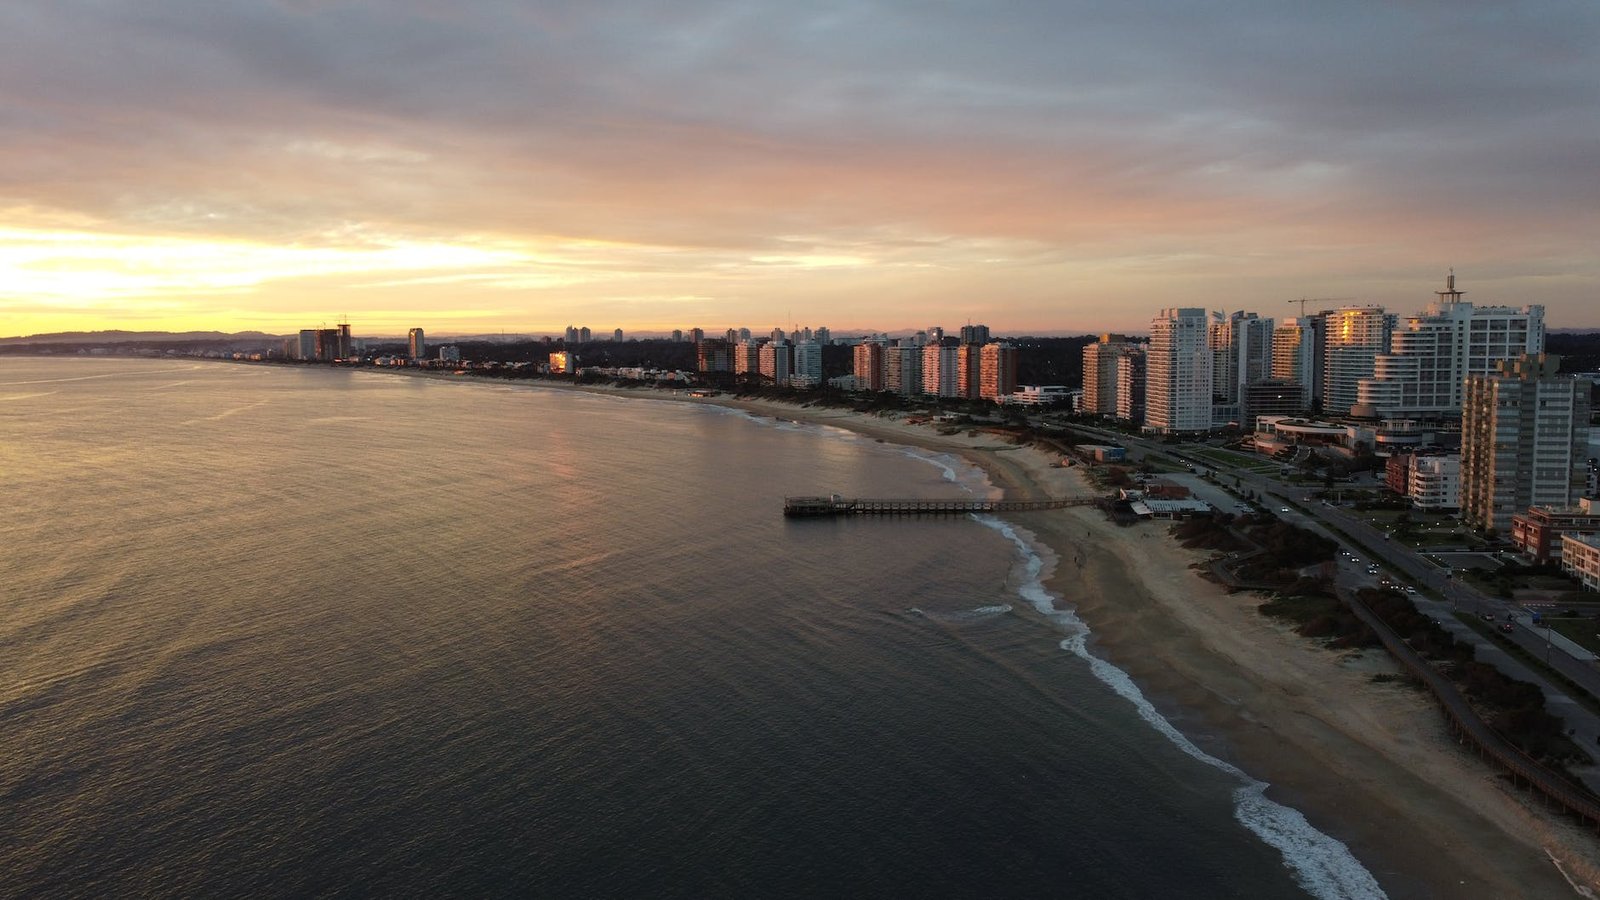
865,506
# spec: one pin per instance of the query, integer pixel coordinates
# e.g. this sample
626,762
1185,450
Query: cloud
688,142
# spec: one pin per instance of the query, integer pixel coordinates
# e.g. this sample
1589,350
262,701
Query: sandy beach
1369,763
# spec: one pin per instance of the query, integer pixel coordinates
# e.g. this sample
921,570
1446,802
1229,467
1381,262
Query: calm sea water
285,632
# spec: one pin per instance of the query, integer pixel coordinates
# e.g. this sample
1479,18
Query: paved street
1439,596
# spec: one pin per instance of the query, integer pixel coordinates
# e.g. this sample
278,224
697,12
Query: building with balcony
1524,433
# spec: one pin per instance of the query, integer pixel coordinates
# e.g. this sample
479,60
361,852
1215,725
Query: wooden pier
858,506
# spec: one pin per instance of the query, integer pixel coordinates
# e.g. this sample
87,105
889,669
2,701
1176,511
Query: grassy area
1236,460
1584,632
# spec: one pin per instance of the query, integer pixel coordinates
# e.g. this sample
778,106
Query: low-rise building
1580,558
1538,532
1435,483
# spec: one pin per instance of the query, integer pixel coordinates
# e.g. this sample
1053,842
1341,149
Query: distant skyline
477,167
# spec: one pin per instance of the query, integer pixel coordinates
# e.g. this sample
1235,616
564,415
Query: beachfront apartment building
997,376
1297,355
1100,361
1131,376
1241,349
1524,432
807,364
868,366
1430,354
1352,339
1178,370
775,361
939,369
417,344
902,366
969,368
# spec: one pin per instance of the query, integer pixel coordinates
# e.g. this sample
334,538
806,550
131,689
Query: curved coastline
1369,765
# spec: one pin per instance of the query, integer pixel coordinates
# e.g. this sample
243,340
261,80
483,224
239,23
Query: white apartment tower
1178,385
1353,338
1431,354
1524,437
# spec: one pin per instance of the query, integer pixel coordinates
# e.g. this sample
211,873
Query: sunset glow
268,166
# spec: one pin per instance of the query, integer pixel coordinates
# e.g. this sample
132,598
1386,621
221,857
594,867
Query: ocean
272,631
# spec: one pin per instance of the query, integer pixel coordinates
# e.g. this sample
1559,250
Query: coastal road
1374,545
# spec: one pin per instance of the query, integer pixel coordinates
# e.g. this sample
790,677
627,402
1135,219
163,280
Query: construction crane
1304,300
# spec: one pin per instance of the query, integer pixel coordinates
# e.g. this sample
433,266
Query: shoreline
1369,764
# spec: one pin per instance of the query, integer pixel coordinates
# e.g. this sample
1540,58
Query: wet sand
1369,763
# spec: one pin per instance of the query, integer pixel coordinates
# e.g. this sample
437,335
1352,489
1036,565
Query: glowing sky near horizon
1045,167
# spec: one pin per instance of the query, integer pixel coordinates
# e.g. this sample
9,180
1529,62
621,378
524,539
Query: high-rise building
1100,374
1241,348
712,355
694,335
969,370
617,335
1524,433
346,347
585,335
1131,377
1352,337
776,361
1431,354
822,335
939,370
975,334
306,348
998,371
902,369
571,335
418,344
1178,388
807,364
869,366
1297,355
327,344
677,335
744,357
450,353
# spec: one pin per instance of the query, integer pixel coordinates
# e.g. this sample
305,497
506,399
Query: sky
481,166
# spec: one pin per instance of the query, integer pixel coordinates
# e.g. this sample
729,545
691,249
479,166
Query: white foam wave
1325,867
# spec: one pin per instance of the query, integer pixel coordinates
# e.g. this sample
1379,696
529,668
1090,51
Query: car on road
1285,509
1411,590
1507,627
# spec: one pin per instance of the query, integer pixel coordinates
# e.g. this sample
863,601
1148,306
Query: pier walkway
860,506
